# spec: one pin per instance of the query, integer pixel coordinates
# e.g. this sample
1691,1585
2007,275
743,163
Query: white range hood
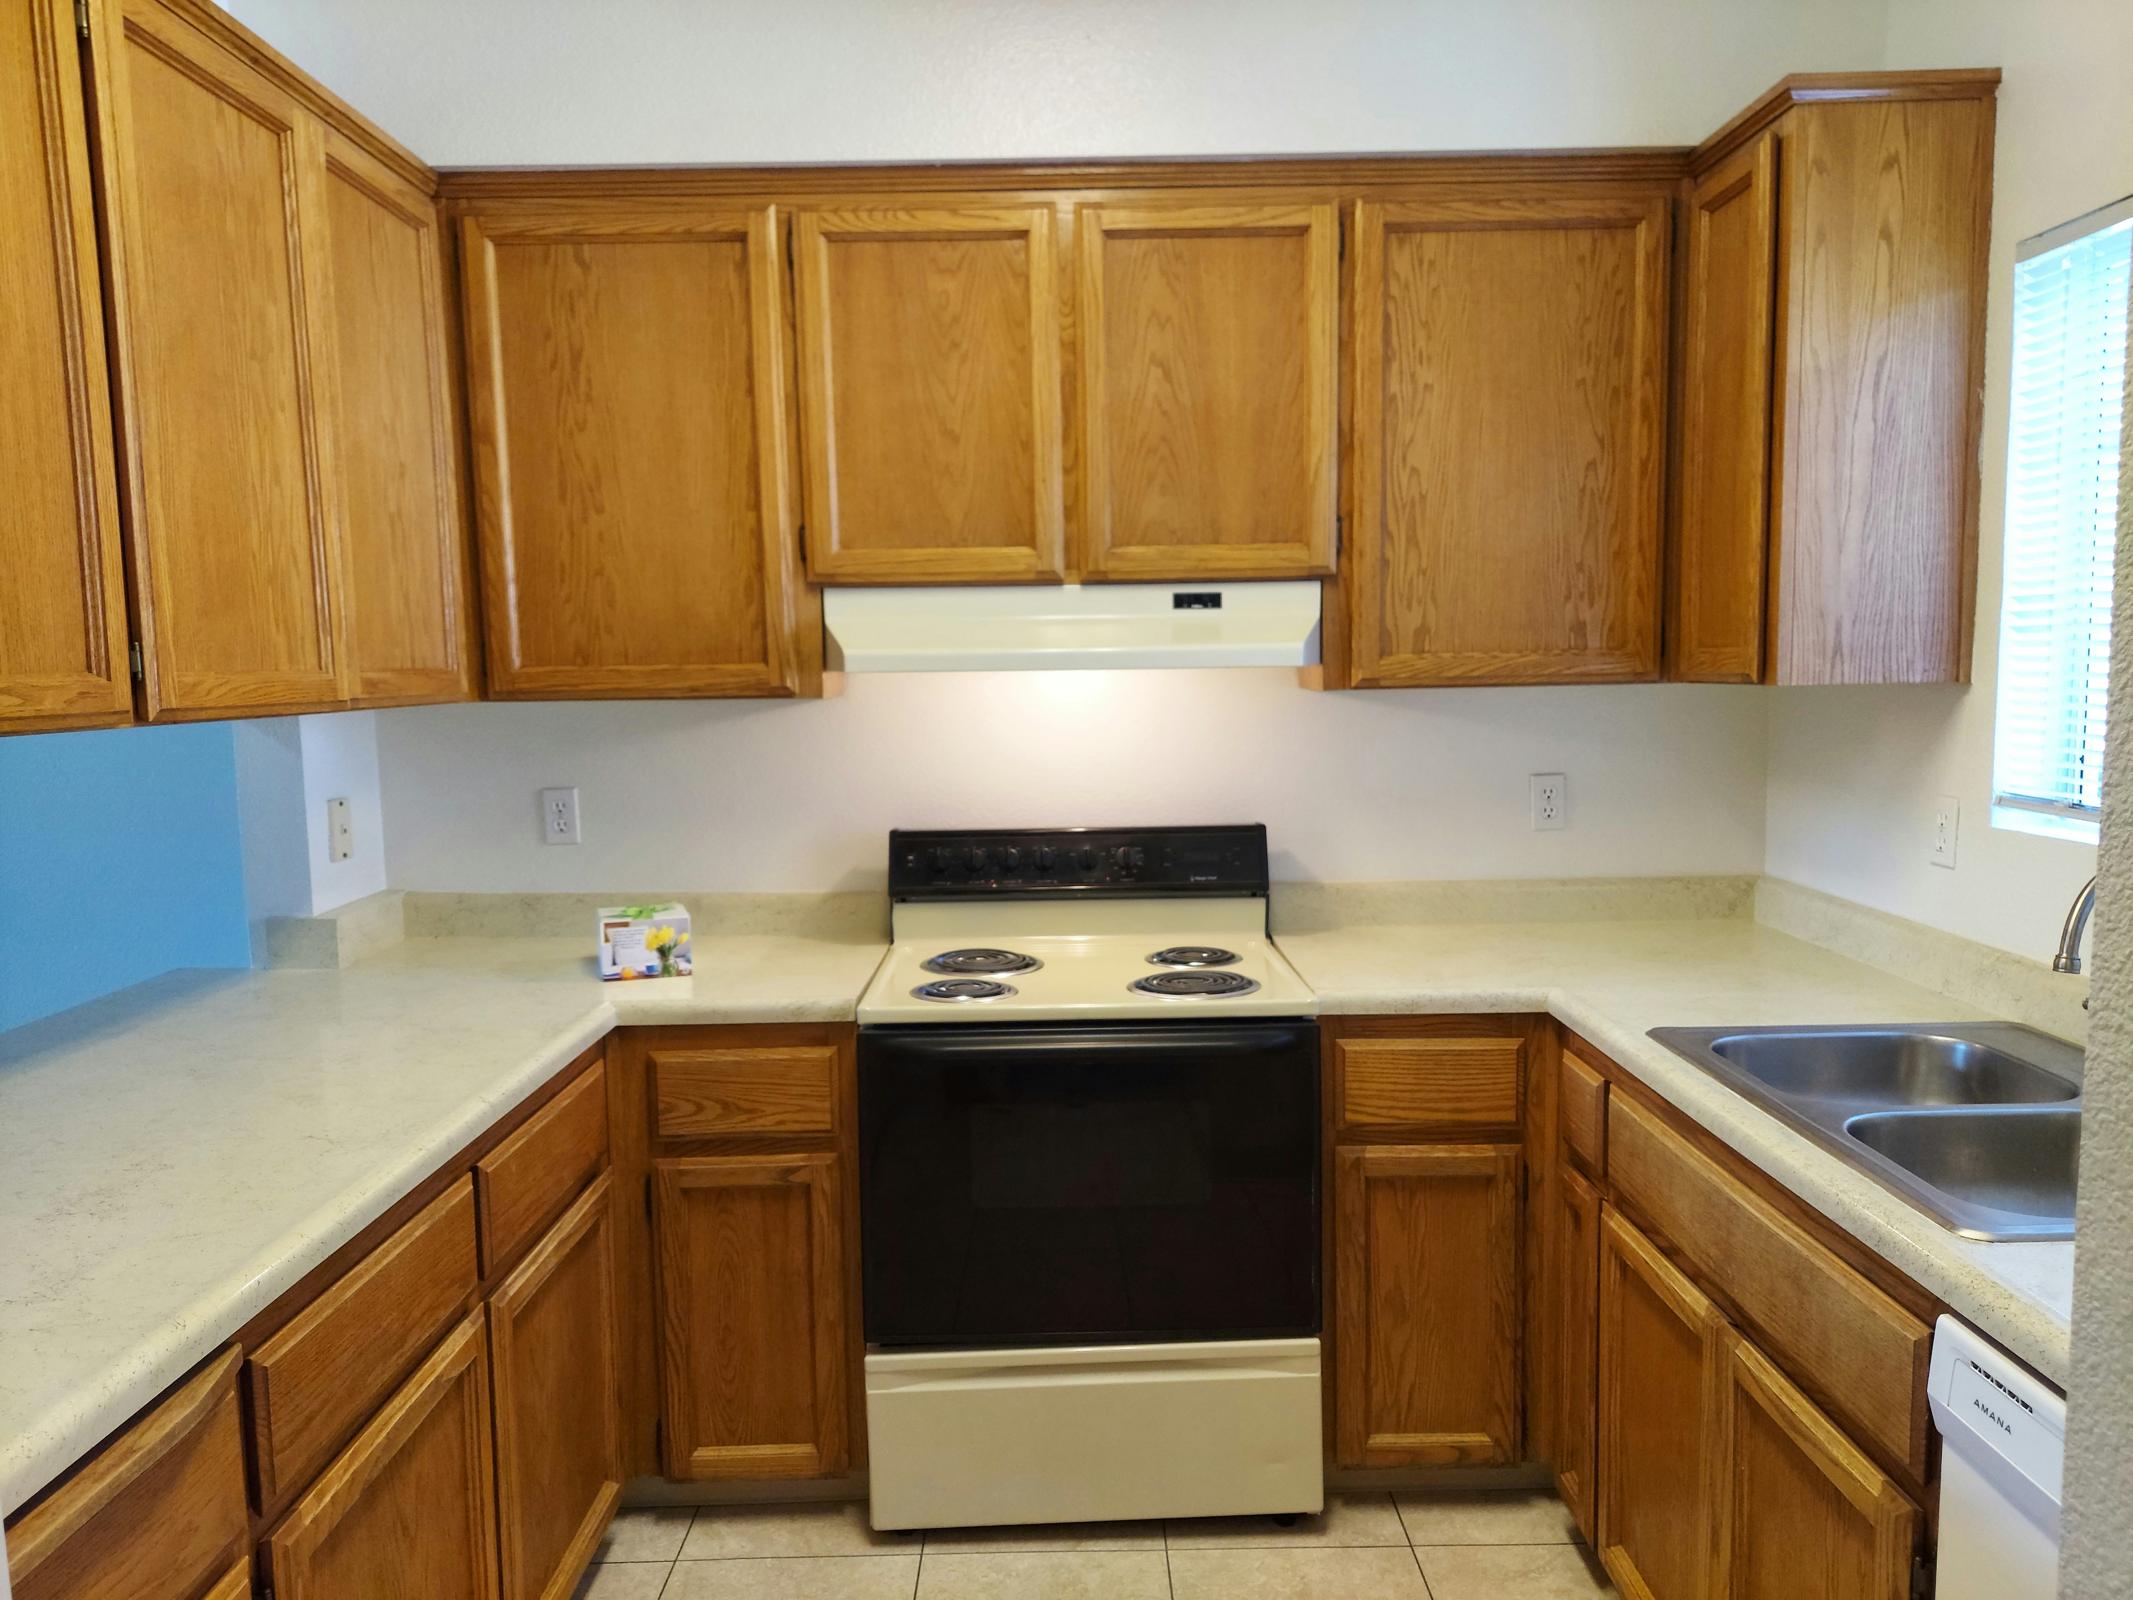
1051,627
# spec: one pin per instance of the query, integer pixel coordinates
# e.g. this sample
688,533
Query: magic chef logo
1977,1402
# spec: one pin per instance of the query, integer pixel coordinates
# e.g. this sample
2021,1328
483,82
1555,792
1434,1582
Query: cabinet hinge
81,17
1921,1578
133,657
648,1195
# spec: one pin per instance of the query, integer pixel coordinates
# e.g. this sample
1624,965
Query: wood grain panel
745,1089
315,1380
409,1508
1446,1084
1862,1355
1662,1351
1804,1512
403,538
63,639
1208,389
1582,1103
235,1584
215,242
1722,525
1575,1343
158,1512
752,1317
532,1175
930,351
1427,1305
1507,439
558,1436
626,390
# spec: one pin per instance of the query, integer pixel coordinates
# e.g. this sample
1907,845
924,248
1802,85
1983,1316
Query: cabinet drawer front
1865,1353
528,1179
1444,1083
760,1089
319,1377
159,1512
1582,1100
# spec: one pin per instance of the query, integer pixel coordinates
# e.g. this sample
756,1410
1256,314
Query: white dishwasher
2003,1456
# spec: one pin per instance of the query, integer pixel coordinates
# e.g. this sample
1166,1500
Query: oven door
1089,1183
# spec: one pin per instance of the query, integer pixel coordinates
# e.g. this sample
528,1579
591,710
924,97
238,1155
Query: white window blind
2066,423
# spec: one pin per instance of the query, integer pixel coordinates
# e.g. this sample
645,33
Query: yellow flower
659,938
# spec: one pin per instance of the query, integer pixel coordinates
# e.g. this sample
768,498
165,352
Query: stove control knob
1131,858
976,857
941,859
1046,858
1010,860
1085,858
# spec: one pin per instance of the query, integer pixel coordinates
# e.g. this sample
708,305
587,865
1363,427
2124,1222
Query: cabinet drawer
318,1378
1445,1084
526,1181
704,1094
1861,1354
1582,1102
158,1514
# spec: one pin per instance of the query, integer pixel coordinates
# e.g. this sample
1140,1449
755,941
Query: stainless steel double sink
1978,1124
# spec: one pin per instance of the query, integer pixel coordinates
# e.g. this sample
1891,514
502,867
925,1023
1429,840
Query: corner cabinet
627,380
1509,375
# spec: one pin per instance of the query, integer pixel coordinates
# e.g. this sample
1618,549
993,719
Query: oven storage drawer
982,1438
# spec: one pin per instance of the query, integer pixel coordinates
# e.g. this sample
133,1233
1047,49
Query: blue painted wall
119,860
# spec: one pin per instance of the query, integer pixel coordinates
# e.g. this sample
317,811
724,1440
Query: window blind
2066,420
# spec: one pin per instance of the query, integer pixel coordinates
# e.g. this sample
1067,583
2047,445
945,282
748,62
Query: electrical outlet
340,831
1947,814
1551,800
559,816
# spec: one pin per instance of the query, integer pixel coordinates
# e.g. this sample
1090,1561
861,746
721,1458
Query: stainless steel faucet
2077,920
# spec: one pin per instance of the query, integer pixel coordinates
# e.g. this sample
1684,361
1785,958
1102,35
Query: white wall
287,769
1854,773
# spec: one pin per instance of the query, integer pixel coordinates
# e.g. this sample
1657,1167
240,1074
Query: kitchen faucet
2077,920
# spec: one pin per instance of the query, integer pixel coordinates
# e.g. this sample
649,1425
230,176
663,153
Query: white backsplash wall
765,795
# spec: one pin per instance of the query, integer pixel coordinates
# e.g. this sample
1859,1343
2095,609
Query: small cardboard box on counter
644,942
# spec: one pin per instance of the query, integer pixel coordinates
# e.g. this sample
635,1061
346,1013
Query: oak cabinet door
215,241
1208,389
1577,1329
1663,1349
63,606
558,1435
402,529
752,1316
409,1508
1722,523
1509,369
1426,1305
1804,1512
626,387
930,392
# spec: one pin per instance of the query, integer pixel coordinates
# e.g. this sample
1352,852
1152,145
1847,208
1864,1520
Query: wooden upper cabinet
930,390
402,529
1509,370
1209,400
627,389
222,338
63,607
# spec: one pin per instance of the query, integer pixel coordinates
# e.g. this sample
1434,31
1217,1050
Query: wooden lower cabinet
1576,1345
753,1360
1803,1511
1662,1348
1426,1305
558,1437
409,1508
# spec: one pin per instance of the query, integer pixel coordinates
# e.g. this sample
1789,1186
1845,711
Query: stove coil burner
981,960
1194,955
1194,985
961,991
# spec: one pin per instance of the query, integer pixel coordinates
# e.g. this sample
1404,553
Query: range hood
1052,627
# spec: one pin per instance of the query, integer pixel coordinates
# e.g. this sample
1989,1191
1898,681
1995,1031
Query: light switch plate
1947,815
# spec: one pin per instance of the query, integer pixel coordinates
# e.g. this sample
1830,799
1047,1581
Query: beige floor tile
1486,1516
1067,1536
651,1534
1362,1519
1512,1572
796,1578
634,1580
1324,1574
821,1529
1026,1575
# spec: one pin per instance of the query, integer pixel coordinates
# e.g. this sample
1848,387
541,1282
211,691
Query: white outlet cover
1947,824
1550,801
559,816
340,831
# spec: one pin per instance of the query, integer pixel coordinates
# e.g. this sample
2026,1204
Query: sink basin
1889,1067
2023,1163
1977,1123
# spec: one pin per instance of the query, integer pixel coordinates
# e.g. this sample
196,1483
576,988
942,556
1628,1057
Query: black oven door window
1089,1183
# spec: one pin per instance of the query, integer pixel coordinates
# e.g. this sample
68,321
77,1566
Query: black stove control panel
943,864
